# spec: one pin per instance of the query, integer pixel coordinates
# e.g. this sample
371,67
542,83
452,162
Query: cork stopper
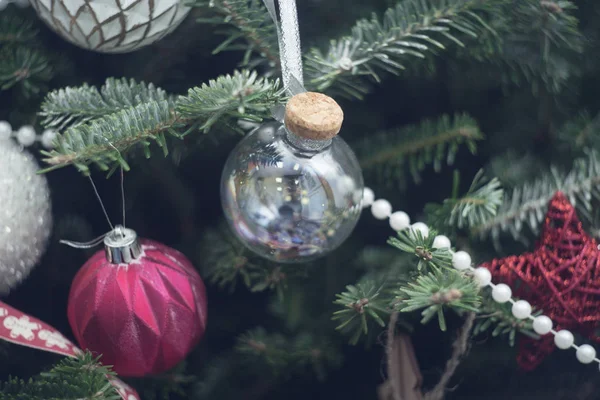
313,116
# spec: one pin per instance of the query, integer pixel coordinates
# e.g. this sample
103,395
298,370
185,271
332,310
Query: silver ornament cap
122,246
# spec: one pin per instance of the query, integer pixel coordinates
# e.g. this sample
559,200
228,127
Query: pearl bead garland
563,339
399,221
441,242
501,293
420,227
26,135
542,325
461,260
521,309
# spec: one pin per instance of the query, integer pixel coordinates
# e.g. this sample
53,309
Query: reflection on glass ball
290,199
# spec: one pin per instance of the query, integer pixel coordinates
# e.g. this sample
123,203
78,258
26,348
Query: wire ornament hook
119,229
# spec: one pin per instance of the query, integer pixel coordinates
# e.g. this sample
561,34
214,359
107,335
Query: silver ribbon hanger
288,36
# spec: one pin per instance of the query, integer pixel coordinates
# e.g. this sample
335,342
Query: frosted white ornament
501,293
542,325
26,135
521,309
381,209
563,339
420,227
5,128
483,276
48,137
585,354
461,260
441,242
399,221
111,26
25,214
368,197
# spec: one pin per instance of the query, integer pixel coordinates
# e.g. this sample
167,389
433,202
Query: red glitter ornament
140,304
561,277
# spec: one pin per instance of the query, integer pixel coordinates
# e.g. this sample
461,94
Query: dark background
173,203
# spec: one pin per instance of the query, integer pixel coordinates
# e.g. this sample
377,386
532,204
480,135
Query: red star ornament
561,277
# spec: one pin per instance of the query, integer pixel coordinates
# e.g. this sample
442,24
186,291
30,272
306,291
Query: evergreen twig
386,156
361,304
437,290
76,106
406,33
252,29
71,378
477,206
526,205
127,116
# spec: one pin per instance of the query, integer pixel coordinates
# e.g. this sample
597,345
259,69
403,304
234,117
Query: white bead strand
381,209
521,309
5,127
563,339
420,227
542,325
501,293
368,196
461,260
441,242
399,221
483,276
26,135
586,354
47,138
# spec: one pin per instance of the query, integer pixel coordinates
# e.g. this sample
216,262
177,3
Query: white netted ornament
112,26
25,214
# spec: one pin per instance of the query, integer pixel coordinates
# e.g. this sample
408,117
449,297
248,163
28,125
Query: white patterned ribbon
288,35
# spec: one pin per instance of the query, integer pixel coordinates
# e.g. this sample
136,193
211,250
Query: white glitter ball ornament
25,214
112,26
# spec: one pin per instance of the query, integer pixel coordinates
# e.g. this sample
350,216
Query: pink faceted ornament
140,304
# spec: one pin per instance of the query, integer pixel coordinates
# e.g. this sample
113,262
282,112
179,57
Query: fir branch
227,261
526,205
407,33
15,30
249,28
71,378
75,106
284,355
229,98
499,319
105,140
361,305
476,207
432,142
581,133
543,43
413,242
436,291
26,67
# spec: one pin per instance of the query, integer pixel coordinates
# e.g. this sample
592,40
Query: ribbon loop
288,35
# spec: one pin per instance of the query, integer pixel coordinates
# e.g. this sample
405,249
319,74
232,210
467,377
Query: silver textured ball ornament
25,214
112,26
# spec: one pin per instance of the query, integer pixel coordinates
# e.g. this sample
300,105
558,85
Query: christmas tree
474,123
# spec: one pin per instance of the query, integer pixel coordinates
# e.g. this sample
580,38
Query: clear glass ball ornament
291,199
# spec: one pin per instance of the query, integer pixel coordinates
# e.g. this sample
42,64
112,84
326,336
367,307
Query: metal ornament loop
122,246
